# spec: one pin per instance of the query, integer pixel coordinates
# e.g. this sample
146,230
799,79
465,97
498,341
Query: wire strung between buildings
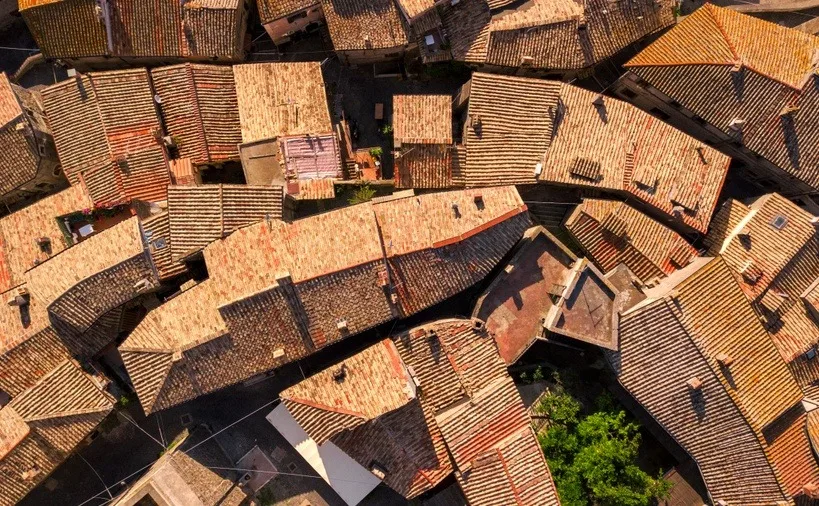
123,480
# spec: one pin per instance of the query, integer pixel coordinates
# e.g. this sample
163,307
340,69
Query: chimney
527,61
789,109
341,325
340,374
724,359
701,153
694,383
811,490
736,124
598,100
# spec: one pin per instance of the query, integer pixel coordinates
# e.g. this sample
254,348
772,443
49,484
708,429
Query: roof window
779,222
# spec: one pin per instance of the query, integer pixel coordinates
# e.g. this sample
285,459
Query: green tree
592,458
363,193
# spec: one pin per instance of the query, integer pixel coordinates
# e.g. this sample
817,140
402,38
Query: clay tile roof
718,36
19,232
65,28
417,223
99,252
635,152
76,29
791,453
387,424
271,10
649,249
200,110
422,119
13,429
277,99
509,128
492,426
279,280
104,127
656,359
549,33
414,8
199,215
21,159
719,318
157,231
364,24
786,263
9,105
57,413
352,393
731,69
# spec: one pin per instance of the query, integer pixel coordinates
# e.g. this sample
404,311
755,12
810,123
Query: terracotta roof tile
20,231
414,8
480,415
199,215
742,80
56,24
656,359
76,29
10,107
277,99
200,111
49,420
635,153
648,248
105,126
715,35
352,414
549,33
422,119
14,430
347,387
785,259
790,452
271,10
509,128
365,24
276,286
759,380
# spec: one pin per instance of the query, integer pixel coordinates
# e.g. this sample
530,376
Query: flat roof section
546,287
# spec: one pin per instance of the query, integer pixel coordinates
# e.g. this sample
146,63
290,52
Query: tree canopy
593,457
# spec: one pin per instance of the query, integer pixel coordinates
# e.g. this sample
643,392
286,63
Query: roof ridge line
709,9
325,407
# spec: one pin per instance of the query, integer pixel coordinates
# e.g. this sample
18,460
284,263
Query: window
296,17
811,353
779,222
628,94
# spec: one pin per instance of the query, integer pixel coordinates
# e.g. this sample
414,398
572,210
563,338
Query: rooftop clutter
126,135
717,65
521,130
427,418
87,32
275,293
549,34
